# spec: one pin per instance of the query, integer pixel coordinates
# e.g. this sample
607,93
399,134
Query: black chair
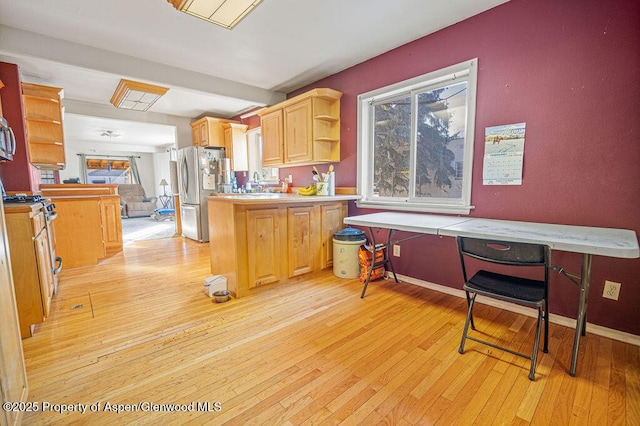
509,288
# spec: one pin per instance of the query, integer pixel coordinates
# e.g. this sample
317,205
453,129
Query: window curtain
134,170
83,168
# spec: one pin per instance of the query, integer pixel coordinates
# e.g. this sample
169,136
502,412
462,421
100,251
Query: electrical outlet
611,290
396,250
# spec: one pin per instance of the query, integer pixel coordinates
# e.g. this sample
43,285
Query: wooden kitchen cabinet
298,139
89,221
43,118
263,245
199,132
227,134
255,241
209,131
272,138
13,375
30,263
111,223
301,240
79,229
331,219
235,145
302,130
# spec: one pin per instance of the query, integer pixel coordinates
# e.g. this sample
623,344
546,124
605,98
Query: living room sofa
134,202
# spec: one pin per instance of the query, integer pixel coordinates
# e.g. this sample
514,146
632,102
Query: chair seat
513,289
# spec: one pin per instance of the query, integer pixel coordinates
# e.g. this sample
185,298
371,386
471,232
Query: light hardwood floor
138,329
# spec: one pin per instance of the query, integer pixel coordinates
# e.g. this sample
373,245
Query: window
266,174
108,171
47,176
415,142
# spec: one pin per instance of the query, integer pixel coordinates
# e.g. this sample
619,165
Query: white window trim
468,69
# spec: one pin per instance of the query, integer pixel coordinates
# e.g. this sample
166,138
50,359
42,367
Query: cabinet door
79,216
207,131
263,247
111,223
13,376
300,240
45,270
272,139
331,219
228,145
199,133
22,230
298,138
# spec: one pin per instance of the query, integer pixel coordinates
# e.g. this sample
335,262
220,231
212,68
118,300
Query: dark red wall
19,174
569,69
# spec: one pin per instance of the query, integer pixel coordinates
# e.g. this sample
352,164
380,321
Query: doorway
146,228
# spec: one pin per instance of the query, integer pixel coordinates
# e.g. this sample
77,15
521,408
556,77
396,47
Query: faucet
256,177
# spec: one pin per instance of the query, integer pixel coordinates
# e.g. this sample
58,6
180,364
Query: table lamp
164,184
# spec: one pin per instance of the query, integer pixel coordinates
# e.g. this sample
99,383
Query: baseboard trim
556,319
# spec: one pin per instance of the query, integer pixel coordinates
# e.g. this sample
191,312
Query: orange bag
365,256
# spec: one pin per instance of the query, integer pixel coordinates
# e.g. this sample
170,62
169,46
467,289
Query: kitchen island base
258,241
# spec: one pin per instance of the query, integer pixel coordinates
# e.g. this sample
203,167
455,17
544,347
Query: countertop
261,198
26,207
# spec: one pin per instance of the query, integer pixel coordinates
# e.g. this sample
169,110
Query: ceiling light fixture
109,134
226,13
135,95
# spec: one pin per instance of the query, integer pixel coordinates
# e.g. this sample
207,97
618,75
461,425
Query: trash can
346,243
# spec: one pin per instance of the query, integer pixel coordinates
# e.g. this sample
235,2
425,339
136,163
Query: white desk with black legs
586,240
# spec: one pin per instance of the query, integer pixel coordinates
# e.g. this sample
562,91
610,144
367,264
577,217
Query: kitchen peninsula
259,239
89,226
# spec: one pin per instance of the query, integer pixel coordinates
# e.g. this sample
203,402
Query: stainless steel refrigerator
199,176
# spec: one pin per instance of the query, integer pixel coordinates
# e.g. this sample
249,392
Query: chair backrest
504,252
130,191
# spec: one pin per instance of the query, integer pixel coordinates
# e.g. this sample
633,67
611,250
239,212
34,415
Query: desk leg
387,254
581,324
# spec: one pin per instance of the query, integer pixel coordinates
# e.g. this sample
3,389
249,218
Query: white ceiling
86,46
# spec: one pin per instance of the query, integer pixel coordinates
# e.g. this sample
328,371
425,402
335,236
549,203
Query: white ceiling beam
14,41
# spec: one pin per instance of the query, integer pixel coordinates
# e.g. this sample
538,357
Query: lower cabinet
111,222
45,270
300,240
331,216
13,376
258,244
264,250
31,265
89,221
79,230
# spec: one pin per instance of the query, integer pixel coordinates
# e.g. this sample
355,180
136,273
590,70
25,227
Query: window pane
440,141
391,147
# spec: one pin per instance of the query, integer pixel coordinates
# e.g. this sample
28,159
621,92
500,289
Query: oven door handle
58,266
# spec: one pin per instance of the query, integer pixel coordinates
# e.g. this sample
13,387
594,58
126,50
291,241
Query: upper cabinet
235,145
43,117
208,131
272,124
227,134
302,130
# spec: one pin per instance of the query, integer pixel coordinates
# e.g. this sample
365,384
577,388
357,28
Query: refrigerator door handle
185,176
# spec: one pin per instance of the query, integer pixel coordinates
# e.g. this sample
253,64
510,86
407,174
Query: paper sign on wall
503,154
